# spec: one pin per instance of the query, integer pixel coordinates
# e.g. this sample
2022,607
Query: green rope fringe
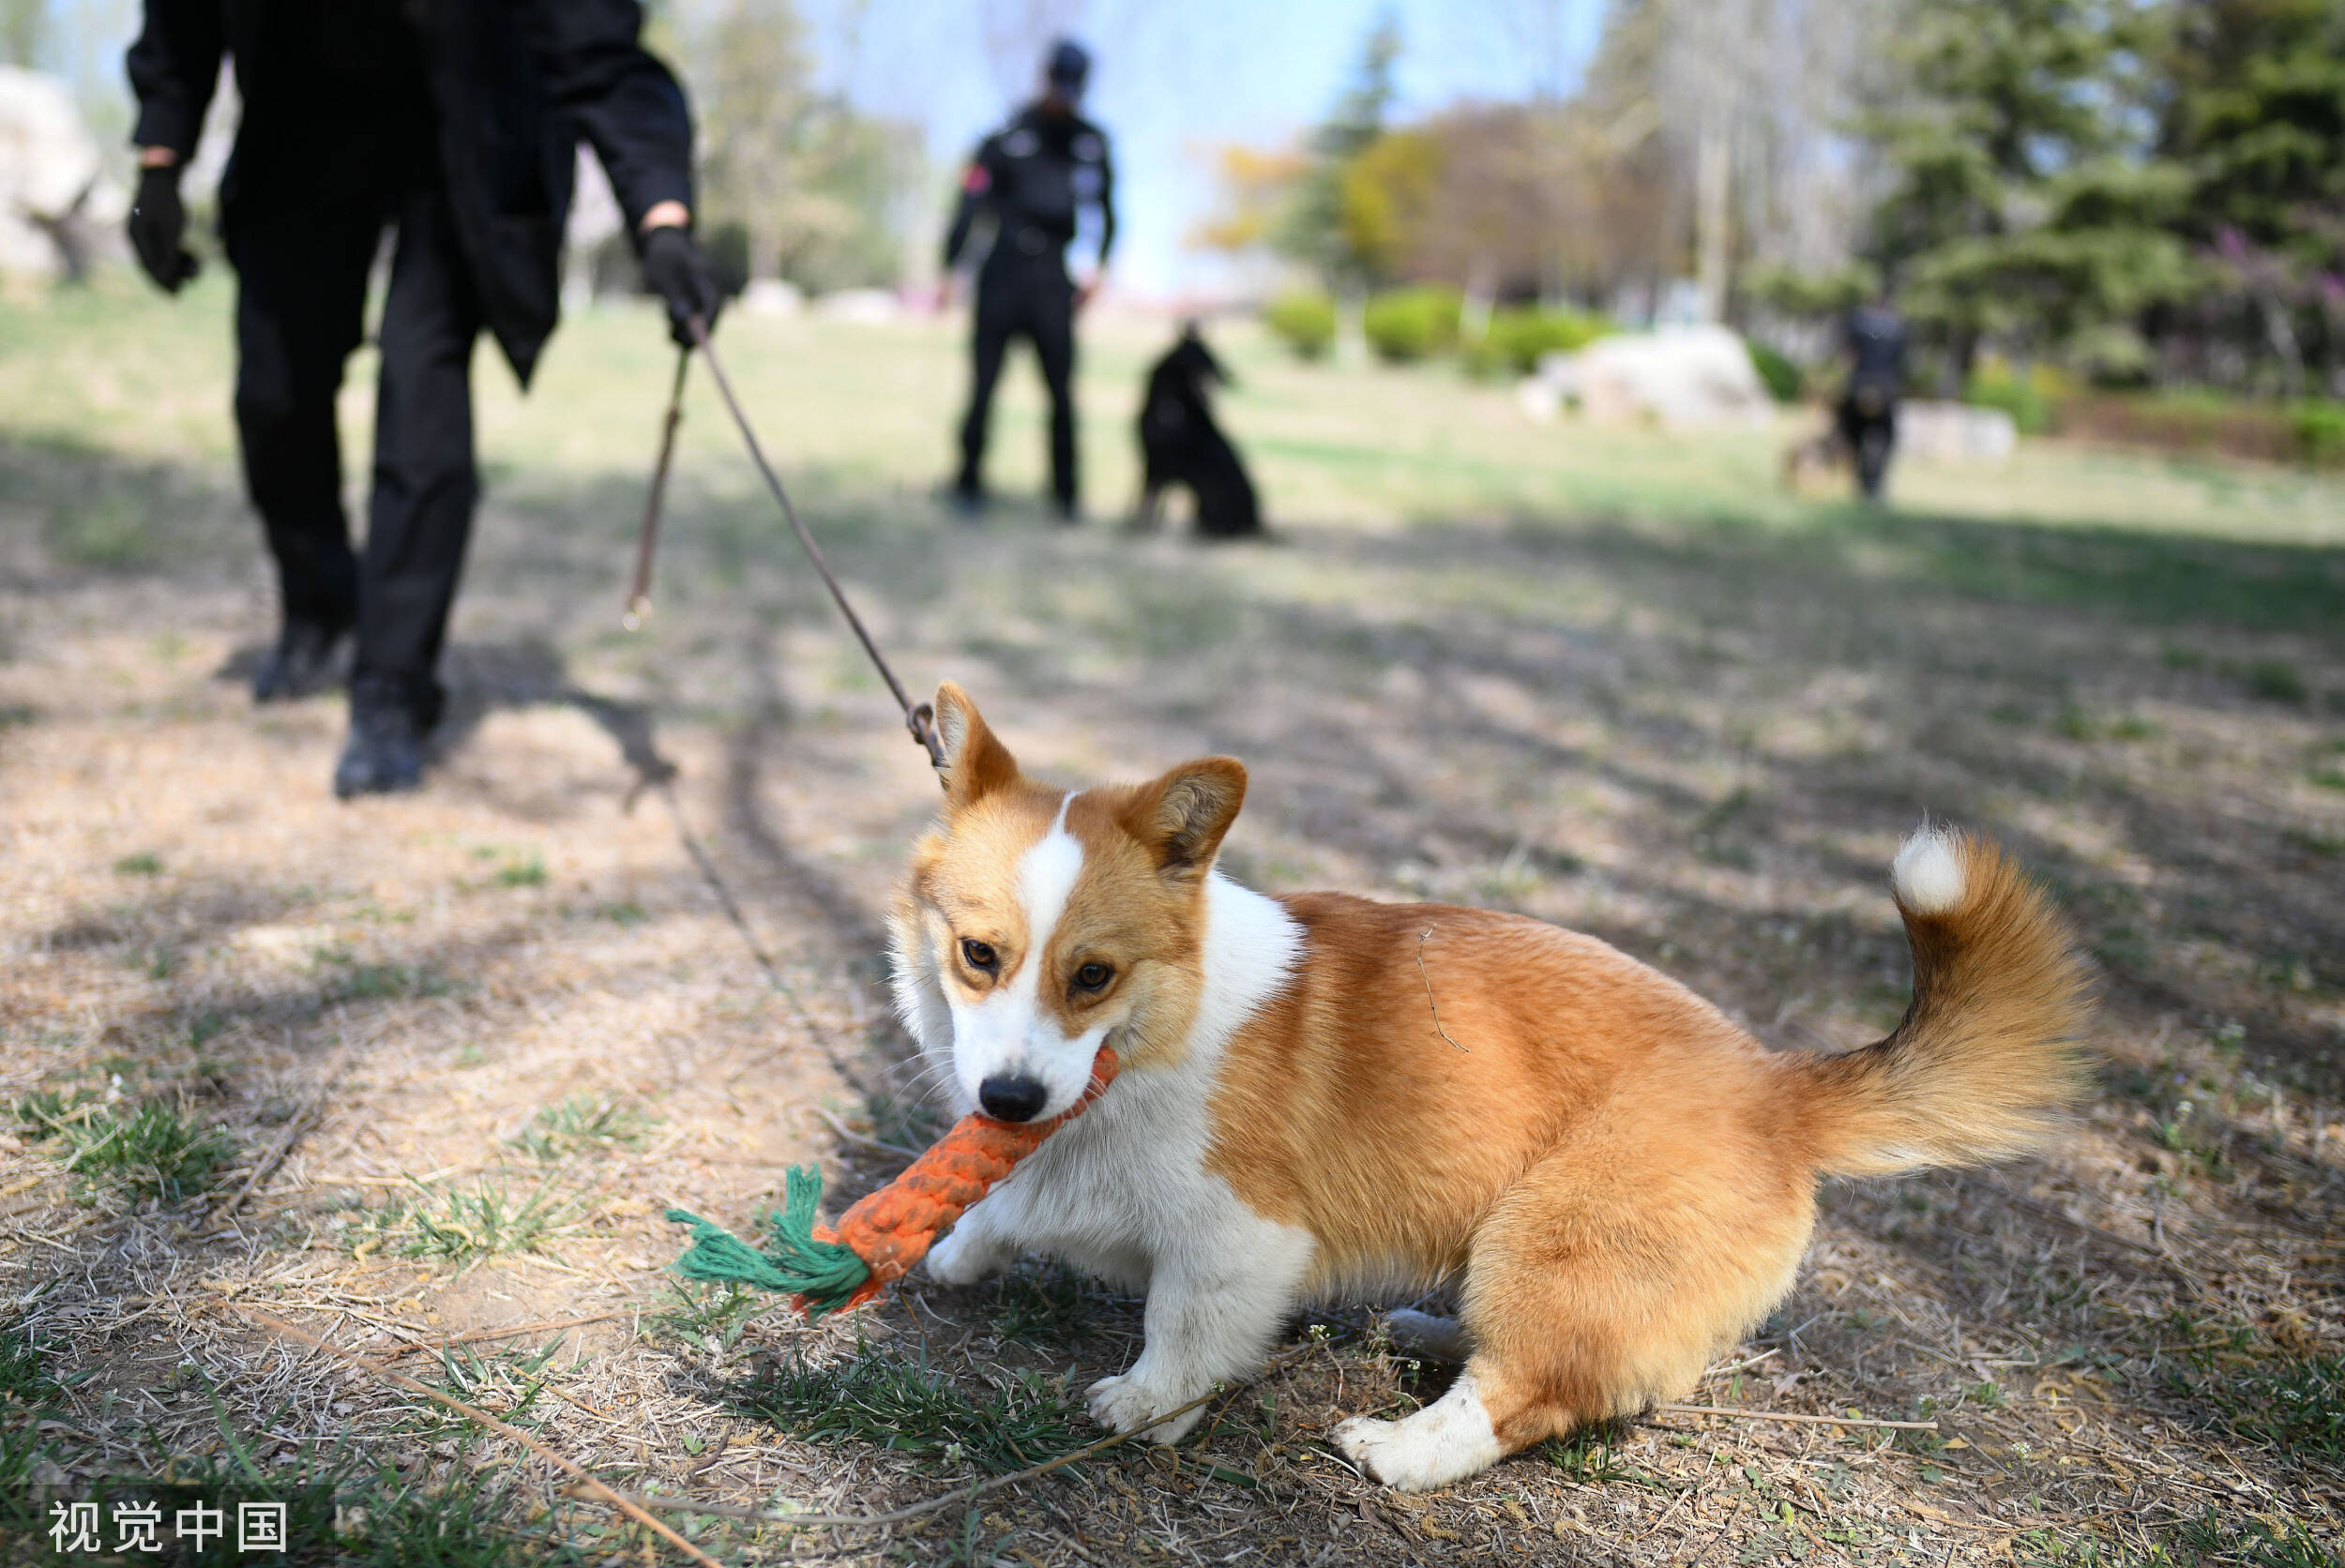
825,1273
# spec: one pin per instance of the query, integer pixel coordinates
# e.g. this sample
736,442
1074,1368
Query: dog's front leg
983,1243
1210,1316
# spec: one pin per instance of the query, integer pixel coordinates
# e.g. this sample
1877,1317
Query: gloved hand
158,225
674,269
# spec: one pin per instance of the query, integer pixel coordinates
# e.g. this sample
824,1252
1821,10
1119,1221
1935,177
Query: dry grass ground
413,1069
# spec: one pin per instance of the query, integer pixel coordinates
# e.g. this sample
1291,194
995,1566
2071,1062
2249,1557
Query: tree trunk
1713,168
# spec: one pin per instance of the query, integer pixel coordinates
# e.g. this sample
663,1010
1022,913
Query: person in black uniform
1034,177
455,124
1873,341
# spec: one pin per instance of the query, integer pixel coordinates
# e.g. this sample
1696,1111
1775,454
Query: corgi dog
1323,1097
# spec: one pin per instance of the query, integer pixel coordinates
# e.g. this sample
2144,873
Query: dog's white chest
1125,1183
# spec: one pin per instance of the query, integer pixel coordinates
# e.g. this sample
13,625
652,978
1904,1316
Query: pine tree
2022,211
1315,231
2256,115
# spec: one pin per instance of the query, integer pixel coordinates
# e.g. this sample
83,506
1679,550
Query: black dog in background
1180,445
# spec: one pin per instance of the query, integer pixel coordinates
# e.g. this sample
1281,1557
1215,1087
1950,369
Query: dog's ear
1181,818
976,763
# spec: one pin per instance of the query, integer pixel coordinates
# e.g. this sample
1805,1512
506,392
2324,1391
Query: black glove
158,225
674,269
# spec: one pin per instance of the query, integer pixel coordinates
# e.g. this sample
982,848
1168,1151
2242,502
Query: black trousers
1030,297
300,310
1868,421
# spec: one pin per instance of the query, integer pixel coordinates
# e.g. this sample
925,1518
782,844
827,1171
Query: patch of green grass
2295,1403
144,864
884,1399
2078,725
463,1225
627,913
561,1130
24,1379
1040,1304
15,714
2226,1535
104,530
527,872
42,1112
706,1315
382,982
28,1393
2124,947
1591,1458
154,1151
2277,681
2315,842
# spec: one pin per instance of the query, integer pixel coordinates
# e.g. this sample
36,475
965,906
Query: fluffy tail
1987,1053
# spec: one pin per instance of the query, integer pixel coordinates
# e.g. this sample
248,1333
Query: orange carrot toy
880,1238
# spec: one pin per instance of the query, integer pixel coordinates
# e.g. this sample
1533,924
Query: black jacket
346,101
1036,174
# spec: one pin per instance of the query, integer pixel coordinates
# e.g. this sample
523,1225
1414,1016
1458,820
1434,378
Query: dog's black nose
1012,1099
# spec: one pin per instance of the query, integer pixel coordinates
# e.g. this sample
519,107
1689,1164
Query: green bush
1405,324
1785,379
2320,428
1519,336
2030,408
1303,321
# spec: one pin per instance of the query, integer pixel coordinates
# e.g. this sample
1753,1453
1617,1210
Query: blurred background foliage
2068,199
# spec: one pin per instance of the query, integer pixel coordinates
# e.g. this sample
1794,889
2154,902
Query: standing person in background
454,124
1034,177
1873,341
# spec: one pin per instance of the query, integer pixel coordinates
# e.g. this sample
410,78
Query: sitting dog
1326,1096
1811,463
1180,445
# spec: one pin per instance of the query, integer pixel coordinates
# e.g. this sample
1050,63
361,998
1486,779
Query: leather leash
919,717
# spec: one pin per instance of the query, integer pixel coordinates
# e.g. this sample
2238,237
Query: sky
1173,79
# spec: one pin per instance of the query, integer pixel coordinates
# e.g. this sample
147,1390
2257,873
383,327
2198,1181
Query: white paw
1448,1440
959,1258
1126,1404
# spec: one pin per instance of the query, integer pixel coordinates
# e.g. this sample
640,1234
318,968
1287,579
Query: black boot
966,499
384,753
301,664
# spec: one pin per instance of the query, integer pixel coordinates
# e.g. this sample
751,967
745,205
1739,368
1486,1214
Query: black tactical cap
1068,66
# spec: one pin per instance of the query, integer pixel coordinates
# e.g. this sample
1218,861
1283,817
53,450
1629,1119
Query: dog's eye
979,954
1092,977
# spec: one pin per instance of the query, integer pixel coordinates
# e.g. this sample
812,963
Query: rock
869,306
59,213
772,296
1956,433
1680,377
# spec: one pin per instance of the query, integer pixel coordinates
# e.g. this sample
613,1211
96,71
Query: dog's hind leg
1145,514
1604,1280
1426,1337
